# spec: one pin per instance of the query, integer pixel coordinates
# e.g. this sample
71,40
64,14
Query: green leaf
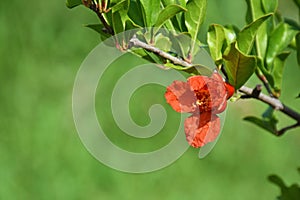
150,8
266,72
162,42
96,27
135,13
239,67
277,181
270,6
120,5
297,2
231,32
267,124
194,18
277,70
255,11
298,48
215,41
194,70
103,35
73,3
181,44
167,13
247,35
280,38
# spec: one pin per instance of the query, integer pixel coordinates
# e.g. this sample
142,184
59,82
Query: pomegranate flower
204,97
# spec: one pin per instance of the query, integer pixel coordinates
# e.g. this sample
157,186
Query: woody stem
274,102
250,93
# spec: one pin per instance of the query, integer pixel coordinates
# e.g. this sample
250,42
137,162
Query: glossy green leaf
167,13
270,5
255,11
151,10
194,70
120,5
194,18
267,124
277,70
247,35
135,13
298,48
280,38
215,41
118,23
239,67
230,32
73,3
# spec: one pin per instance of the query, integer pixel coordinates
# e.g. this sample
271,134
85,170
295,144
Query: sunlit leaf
73,3
194,70
167,13
215,41
279,40
239,67
194,18
269,5
247,35
255,11
151,10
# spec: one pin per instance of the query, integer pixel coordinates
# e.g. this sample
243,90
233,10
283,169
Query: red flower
204,97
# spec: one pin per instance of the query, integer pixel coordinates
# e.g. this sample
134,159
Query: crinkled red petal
181,97
201,129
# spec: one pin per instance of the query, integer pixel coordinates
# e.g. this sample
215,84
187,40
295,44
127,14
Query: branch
136,42
275,103
250,93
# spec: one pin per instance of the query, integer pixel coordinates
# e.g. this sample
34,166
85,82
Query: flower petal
200,130
180,97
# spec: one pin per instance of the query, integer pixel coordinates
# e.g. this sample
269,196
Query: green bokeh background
41,156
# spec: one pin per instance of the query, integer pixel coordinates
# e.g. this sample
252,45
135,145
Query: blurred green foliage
42,47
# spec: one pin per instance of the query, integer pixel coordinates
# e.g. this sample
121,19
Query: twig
283,130
95,7
264,80
249,93
275,103
136,42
